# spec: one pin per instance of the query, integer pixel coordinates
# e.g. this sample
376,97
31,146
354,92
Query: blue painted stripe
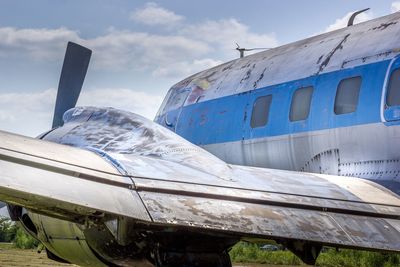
227,119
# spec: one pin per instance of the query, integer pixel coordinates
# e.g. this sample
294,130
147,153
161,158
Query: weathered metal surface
174,177
367,151
121,133
273,222
274,198
45,150
62,184
66,240
364,150
363,43
162,183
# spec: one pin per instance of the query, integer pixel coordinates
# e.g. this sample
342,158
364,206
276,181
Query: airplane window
393,94
174,100
161,109
301,101
346,99
259,116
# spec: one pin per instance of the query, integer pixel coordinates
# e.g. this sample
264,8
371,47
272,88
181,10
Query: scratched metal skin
139,144
273,222
362,43
182,185
123,133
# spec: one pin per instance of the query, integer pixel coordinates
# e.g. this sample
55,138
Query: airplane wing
63,181
245,202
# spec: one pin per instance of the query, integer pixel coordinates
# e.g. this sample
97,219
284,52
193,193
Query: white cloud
27,113
125,49
113,51
42,44
342,22
173,54
185,68
143,103
153,53
395,6
226,32
32,113
153,14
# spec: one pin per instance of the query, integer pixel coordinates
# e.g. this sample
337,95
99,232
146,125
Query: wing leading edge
63,181
244,202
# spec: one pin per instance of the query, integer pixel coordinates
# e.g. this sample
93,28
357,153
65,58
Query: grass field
11,256
251,253
242,255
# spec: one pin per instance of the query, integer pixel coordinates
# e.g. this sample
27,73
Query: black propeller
76,62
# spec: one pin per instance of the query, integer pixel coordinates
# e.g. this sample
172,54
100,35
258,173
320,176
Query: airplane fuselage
344,121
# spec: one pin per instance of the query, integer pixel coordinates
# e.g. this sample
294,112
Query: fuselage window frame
301,95
393,91
343,103
260,111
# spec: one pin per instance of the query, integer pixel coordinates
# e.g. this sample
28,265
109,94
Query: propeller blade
76,62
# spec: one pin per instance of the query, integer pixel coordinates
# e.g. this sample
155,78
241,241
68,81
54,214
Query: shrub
24,240
8,229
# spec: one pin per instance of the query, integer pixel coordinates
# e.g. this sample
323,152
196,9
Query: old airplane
267,146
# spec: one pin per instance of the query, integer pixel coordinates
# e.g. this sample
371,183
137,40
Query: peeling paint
330,55
383,26
301,59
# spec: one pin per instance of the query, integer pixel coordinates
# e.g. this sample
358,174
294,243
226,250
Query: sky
141,48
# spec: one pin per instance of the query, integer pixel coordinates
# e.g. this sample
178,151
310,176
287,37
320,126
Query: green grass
251,253
10,256
354,258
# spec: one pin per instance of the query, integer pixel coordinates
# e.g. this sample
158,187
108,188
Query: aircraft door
391,101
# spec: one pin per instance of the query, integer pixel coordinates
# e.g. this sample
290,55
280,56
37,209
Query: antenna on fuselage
354,15
242,50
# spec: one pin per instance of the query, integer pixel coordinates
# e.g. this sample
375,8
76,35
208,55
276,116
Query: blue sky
141,48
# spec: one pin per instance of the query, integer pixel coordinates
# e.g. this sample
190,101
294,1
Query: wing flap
270,204
283,199
274,222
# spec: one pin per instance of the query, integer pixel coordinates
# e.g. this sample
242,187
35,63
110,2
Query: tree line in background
11,232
